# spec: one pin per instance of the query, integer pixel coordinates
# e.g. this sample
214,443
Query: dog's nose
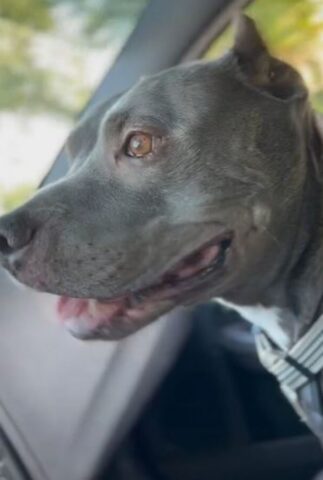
16,232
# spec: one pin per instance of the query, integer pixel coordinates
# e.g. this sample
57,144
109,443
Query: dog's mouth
119,316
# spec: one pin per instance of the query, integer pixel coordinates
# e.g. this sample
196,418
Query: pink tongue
204,259
75,307
71,307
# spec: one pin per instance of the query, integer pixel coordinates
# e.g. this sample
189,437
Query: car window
293,31
53,53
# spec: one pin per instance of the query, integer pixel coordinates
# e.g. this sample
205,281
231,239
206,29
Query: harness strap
297,370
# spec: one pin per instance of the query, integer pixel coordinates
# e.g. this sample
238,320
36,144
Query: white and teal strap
298,367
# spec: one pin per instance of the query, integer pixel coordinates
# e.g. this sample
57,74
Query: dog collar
297,370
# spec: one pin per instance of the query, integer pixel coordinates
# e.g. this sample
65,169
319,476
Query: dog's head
187,186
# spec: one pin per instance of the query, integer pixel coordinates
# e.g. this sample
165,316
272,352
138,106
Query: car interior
184,398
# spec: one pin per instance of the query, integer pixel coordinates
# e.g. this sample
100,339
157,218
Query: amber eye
139,145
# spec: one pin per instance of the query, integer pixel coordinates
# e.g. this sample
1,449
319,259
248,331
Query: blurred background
53,54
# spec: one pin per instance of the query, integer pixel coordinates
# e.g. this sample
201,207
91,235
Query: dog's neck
288,308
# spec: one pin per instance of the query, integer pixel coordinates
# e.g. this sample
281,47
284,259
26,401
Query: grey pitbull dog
202,181
199,182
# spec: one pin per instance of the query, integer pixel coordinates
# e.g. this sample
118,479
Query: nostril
14,236
17,230
5,247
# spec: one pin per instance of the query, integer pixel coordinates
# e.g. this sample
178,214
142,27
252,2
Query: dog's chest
268,319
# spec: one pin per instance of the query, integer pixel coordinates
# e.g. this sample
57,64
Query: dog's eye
139,145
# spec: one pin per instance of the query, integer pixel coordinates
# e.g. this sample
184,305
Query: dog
203,181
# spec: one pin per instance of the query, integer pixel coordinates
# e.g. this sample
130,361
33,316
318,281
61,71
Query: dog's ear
82,139
248,43
259,68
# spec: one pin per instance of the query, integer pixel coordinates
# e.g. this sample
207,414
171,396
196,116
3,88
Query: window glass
53,53
293,30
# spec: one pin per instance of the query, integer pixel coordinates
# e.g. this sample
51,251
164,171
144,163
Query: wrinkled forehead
169,98
192,95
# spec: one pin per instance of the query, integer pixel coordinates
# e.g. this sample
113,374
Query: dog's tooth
206,271
92,304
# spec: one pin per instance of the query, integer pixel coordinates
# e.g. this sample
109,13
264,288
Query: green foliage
24,83
32,13
15,197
